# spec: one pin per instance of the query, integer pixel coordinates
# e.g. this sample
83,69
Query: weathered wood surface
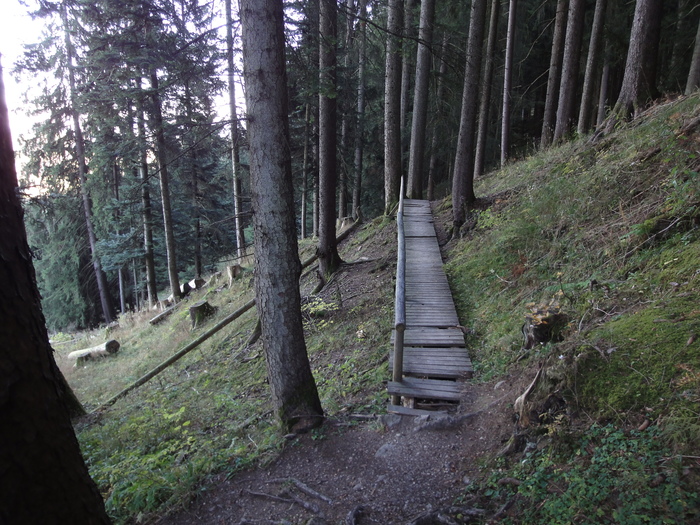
102,350
161,316
200,312
435,353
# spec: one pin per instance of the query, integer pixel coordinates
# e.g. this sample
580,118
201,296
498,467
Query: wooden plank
406,411
428,336
426,389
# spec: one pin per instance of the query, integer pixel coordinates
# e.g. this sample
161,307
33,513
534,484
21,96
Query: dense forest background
135,178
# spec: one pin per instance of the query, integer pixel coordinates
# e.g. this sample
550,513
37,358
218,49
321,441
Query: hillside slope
602,234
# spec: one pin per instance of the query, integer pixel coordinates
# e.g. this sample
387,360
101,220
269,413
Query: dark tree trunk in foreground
105,298
570,68
585,113
507,82
554,78
463,175
277,267
43,476
637,85
420,100
485,102
392,109
164,178
328,257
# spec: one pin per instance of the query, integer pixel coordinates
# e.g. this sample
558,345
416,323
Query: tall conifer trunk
43,476
507,82
235,149
420,100
277,267
554,79
586,111
328,257
392,108
102,288
164,178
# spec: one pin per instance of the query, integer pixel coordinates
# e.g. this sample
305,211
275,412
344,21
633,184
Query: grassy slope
622,212
607,233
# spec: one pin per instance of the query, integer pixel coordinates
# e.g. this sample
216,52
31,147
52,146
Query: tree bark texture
407,54
235,150
103,290
164,178
570,68
305,175
694,74
463,175
636,85
359,124
328,257
146,211
594,50
43,476
507,81
392,108
554,78
277,267
485,102
420,100
439,102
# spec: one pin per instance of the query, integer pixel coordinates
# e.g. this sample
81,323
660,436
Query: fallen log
161,316
188,348
103,350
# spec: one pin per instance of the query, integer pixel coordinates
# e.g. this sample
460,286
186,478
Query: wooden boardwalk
435,356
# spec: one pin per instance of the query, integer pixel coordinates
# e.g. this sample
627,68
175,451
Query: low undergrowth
609,234
210,413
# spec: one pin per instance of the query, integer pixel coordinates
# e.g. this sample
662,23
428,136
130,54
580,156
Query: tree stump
234,272
543,326
201,311
103,350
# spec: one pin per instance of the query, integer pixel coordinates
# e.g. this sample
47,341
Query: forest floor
369,469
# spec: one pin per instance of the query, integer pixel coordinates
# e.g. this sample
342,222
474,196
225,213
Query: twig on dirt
265,495
304,504
354,515
502,511
304,488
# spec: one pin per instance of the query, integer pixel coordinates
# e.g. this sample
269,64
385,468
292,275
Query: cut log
197,283
103,350
165,313
200,312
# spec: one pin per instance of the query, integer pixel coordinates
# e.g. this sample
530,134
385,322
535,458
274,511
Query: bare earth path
385,470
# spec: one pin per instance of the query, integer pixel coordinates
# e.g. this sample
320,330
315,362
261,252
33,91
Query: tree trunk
105,298
165,188
406,65
278,267
603,93
305,175
694,74
486,82
359,127
463,175
507,82
235,149
420,100
637,87
554,78
392,108
146,212
570,68
439,96
349,9
328,257
44,477
586,110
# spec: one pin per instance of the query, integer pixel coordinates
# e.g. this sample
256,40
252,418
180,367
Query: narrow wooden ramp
435,355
